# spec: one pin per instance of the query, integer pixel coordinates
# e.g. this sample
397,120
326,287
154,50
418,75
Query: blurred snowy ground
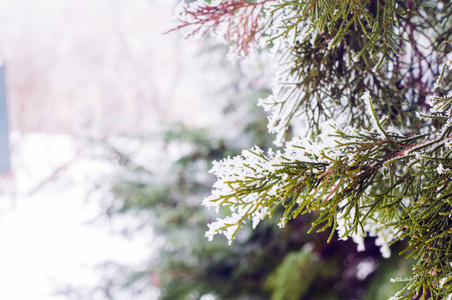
46,239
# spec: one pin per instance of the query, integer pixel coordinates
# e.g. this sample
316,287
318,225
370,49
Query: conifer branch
385,173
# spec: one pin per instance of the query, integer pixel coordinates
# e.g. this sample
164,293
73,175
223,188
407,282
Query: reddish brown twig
240,18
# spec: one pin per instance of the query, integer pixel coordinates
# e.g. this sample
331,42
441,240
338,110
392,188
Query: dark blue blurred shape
4,140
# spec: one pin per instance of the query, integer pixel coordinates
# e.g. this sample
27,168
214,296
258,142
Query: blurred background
108,130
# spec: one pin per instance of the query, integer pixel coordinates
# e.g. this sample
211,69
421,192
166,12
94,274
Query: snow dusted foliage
372,153
257,183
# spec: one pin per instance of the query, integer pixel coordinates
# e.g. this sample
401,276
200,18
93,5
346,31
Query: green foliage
298,270
373,19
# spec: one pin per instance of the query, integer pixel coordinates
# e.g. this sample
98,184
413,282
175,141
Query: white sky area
77,70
